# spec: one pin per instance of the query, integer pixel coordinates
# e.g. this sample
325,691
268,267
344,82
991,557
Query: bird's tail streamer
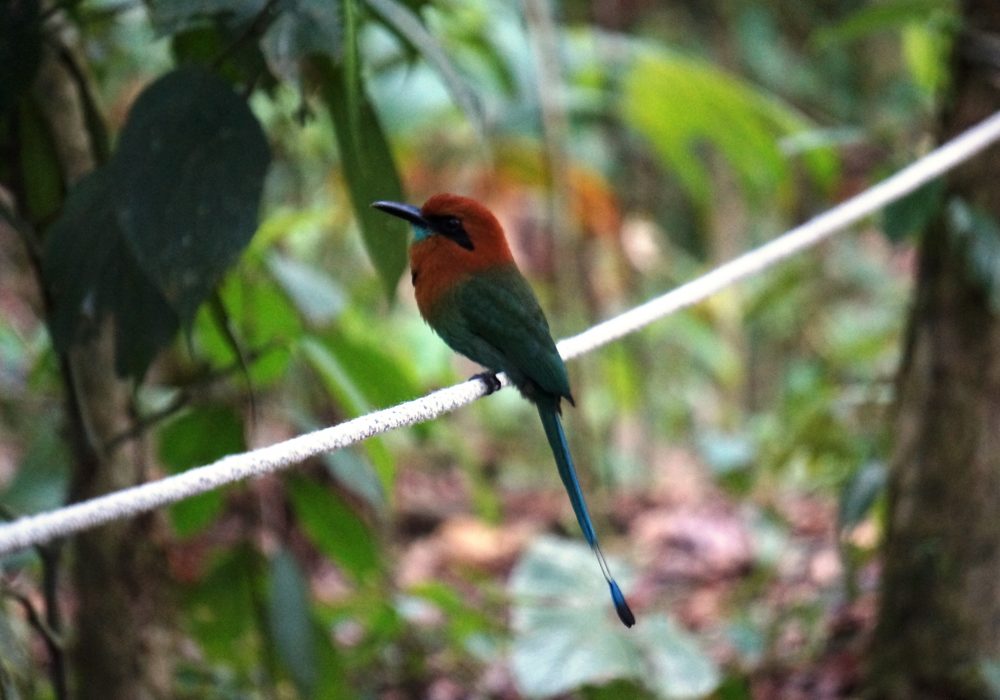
560,449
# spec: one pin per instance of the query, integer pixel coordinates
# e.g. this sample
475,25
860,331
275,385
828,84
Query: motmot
470,291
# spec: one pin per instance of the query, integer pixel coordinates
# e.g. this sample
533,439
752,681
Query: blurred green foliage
694,130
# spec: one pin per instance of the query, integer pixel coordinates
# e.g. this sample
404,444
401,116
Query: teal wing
495,320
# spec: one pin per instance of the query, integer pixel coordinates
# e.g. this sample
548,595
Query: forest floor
773,604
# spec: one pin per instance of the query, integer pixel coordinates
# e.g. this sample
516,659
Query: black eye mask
451,228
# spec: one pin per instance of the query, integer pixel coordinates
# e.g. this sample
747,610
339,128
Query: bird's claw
490,380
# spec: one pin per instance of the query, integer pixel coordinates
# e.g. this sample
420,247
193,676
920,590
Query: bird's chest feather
438,267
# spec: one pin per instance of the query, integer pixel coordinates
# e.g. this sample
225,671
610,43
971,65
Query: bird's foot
490,379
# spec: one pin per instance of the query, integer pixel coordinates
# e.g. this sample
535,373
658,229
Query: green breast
494,319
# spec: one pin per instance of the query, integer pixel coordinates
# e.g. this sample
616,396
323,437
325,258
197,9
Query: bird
470,291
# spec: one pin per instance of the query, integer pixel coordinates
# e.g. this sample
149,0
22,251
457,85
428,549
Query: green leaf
339,383
355,473
289,619
382,379
195,513
369,171
736,686
43,474
886,15
315,294
336,530
199,437
221,606
77,254
41,173
927,50
860,492
188,174
680,105
566,635
622,374
351,392
979,232
92,273
263,317
911,214
680,668
467,621
565,631
145,323
332,683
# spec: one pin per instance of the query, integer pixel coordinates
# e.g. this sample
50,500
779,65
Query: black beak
407,212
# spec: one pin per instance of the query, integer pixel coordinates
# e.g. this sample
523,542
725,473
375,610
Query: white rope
849,212
44,527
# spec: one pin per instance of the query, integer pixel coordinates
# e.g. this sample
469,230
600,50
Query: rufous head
461,221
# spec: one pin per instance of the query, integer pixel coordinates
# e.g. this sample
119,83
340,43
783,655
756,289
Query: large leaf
910,214
315,293
264,318
679,667
95,268
682,105
369,170
198,437
334,527
290,622
41,172
349,390
222,607
92,273
145,322
566,636
383,379
77,257
565,632
43,475
355,473
189,172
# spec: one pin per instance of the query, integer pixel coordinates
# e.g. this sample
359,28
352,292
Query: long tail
560,449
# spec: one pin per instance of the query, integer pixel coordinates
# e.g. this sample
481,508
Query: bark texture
939,616
122,624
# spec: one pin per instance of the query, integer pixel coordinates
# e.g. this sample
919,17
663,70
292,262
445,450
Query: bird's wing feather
499,308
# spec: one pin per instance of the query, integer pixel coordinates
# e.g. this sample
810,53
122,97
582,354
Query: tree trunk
939,615
122,627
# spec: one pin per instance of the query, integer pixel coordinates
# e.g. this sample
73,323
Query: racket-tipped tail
567,472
